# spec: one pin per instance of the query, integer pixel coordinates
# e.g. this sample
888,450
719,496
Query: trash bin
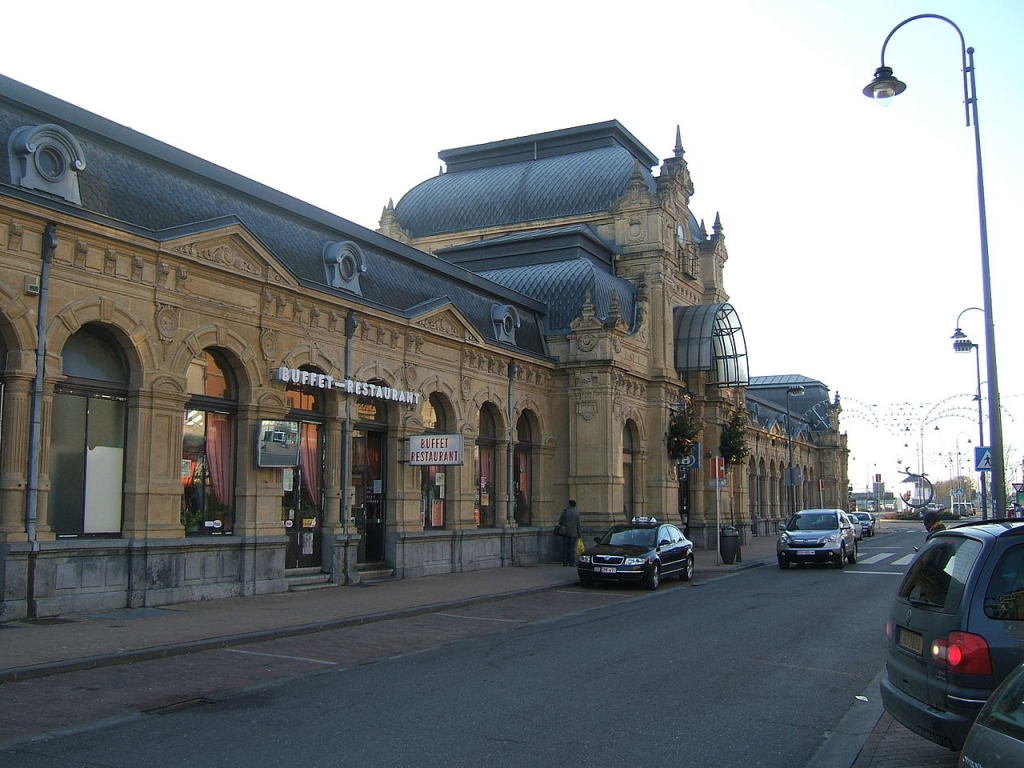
728,544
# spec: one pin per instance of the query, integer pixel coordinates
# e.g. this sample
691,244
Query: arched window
87,436
208,446
433,479
523,464
486,443
628,508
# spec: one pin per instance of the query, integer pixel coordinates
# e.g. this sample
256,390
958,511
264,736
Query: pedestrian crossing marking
874,558
879,557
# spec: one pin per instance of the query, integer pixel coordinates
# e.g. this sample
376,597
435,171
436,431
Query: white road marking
480,618
280,656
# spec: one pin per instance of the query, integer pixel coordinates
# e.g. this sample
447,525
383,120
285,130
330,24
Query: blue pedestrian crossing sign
982,458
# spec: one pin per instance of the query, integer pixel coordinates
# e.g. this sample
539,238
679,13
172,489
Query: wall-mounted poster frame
277,444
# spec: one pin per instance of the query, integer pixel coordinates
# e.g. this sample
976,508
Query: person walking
932,523
569,525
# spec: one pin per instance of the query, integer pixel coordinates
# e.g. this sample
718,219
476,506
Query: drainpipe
346,436
36,408
511,509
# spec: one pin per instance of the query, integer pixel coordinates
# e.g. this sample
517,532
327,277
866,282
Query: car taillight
964,653
888,630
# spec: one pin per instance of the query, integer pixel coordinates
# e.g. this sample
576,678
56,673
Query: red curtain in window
309,463
523,464
218,456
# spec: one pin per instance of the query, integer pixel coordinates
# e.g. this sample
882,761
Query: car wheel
841,562
653,577
687,573
783,564
852,559
586,579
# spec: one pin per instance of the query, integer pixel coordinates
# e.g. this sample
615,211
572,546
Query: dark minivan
955,629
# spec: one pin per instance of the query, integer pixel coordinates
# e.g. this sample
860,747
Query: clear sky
852,230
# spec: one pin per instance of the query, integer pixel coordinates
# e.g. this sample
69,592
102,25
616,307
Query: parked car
867,522
817,536
858,529
996,740
954,629
962,509
643,551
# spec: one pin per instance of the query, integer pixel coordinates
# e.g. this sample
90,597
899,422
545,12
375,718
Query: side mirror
663,542
597,539
782,527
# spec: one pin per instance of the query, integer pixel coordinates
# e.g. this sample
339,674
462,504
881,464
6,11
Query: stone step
304,579
370,573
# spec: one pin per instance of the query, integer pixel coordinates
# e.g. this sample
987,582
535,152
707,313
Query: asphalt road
750,670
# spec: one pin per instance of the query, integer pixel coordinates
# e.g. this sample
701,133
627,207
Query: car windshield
636,537
820,521
863,516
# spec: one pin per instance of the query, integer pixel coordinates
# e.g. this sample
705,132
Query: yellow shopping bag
579,547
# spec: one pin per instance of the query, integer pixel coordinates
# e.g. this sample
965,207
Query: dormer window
46,158
343,263
505,318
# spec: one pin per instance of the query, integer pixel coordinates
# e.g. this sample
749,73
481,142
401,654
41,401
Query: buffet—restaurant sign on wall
435,449
348,386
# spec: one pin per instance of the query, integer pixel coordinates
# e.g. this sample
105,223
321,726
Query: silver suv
817,536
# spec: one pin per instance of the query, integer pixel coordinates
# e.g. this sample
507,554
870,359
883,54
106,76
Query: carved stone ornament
167,322
268,343
586,410
223,255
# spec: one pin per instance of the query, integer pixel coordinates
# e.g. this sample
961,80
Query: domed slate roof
551,175
564,286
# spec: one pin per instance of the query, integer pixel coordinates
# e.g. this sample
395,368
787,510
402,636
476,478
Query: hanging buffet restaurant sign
348,386
435,450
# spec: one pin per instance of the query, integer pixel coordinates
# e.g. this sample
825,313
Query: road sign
982,458
718,468
1018,487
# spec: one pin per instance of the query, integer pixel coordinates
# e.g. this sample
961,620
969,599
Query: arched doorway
369,479
302,503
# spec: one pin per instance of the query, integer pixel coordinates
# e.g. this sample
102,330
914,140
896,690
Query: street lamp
882,89
796,391
963,344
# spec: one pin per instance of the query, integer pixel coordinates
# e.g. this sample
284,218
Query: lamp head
796,391
963,344
884,86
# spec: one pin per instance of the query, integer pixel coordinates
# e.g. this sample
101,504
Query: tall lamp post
882,89
963,344
797,391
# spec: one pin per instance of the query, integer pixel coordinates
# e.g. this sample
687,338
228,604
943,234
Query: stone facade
210,389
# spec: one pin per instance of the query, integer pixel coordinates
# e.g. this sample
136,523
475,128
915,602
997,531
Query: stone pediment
231,249
448,321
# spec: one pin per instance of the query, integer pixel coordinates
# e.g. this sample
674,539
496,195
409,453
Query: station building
212,389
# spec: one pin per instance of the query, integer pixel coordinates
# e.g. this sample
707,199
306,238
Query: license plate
606,569
805,553
911,641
